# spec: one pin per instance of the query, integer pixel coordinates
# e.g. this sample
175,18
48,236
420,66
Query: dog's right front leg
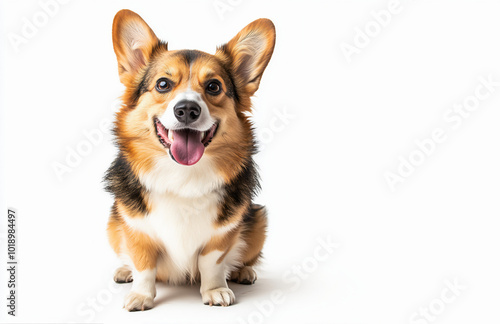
144,253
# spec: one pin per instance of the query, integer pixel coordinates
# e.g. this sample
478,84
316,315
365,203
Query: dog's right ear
249,53
133,42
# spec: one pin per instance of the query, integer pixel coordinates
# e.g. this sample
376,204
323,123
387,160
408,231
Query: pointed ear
133,42
249,52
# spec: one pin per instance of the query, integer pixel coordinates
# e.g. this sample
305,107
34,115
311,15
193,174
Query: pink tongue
187,147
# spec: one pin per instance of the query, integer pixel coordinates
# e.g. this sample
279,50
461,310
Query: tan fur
138,134
115,225
221,243
142,60
244,45
255,237
140,247
129,63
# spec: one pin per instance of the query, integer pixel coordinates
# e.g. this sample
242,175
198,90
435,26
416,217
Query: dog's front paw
218,297
138,302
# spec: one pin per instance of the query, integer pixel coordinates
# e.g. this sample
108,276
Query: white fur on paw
218,297
138,302
123,274
245,275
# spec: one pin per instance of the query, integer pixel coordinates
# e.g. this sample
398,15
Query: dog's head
188,104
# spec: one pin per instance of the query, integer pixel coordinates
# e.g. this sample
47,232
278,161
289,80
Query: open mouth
186,146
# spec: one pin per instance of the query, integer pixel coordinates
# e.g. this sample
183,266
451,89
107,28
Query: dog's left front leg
214,289
143,253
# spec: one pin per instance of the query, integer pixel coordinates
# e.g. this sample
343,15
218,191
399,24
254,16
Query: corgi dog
184,177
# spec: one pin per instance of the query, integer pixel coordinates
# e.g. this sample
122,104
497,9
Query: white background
323,170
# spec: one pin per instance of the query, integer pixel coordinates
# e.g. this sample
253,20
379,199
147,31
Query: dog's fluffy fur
178,217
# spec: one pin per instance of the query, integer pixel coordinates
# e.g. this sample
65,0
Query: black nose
187,111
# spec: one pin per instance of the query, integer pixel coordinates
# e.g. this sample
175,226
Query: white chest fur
193,181
183,226
184,203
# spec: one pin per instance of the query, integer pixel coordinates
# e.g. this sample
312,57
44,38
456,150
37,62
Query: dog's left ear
249,53
133,42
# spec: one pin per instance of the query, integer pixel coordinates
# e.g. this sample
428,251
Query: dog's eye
214,87
163,85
